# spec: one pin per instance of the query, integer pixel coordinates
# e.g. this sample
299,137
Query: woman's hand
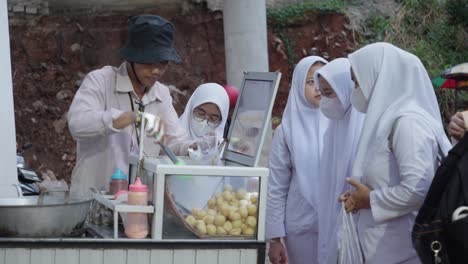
277,252
456,127
357,199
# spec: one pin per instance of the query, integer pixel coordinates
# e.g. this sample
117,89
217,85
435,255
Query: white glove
153,125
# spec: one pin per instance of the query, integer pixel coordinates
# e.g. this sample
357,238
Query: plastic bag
349,249
207,151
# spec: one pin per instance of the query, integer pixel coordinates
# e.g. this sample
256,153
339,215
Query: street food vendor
102,117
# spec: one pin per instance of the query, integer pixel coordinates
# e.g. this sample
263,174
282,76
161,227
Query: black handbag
436,237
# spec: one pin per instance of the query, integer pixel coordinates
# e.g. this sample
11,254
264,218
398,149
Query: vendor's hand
456,127
359,198
124,120
277,252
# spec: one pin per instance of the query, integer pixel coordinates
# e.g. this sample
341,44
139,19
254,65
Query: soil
52,54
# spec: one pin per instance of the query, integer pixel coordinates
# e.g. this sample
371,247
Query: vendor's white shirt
103,96
288,212
400,174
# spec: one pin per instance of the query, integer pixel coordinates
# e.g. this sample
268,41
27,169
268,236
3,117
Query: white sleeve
87,117
278,185
415,149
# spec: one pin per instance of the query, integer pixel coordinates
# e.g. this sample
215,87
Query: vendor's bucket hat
150,41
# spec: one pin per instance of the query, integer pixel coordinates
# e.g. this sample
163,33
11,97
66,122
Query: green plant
281,18
286,15
458,12
424,28
380,28
292,58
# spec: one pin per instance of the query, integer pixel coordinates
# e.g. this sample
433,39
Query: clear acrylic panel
210,207
251,114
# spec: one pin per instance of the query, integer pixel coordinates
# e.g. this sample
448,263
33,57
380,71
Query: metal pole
245,38
8,173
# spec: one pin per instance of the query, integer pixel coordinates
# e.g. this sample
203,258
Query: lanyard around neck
141,108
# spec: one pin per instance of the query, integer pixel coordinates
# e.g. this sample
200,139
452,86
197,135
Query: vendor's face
208,111
325,88
149,74
312,95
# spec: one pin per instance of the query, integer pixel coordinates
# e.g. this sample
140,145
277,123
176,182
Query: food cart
229,196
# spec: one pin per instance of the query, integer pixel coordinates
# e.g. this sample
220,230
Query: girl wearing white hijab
401,142
206,111
294,170
339,149
204,118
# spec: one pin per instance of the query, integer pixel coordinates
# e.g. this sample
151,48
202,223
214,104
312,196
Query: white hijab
339,149
303,127
206,93
396,84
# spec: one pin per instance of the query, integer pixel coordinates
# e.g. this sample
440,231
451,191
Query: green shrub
458,12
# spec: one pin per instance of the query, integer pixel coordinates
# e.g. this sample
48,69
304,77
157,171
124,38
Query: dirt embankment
52,54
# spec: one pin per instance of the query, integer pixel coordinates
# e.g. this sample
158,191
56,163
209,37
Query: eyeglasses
200,115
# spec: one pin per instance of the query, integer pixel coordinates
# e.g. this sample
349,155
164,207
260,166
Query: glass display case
205,202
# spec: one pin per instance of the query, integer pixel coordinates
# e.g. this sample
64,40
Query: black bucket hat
150,41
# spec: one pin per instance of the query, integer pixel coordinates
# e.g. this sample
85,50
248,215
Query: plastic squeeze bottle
137,223
118,182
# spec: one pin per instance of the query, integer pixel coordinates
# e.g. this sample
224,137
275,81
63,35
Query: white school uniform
397,153
295,170
339,149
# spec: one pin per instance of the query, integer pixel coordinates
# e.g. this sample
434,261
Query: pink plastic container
136,225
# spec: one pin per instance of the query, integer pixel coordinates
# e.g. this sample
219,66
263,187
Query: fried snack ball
241,194
211,229
219,220
251,221
212,203
243,211
254,198
221,231
235,232
248,231
227,196
236,224
208,219
252,209
201,227
211,212
191,220
227,226
233,215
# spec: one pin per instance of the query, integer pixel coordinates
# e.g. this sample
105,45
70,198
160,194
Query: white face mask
200,128
332,108
358,100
